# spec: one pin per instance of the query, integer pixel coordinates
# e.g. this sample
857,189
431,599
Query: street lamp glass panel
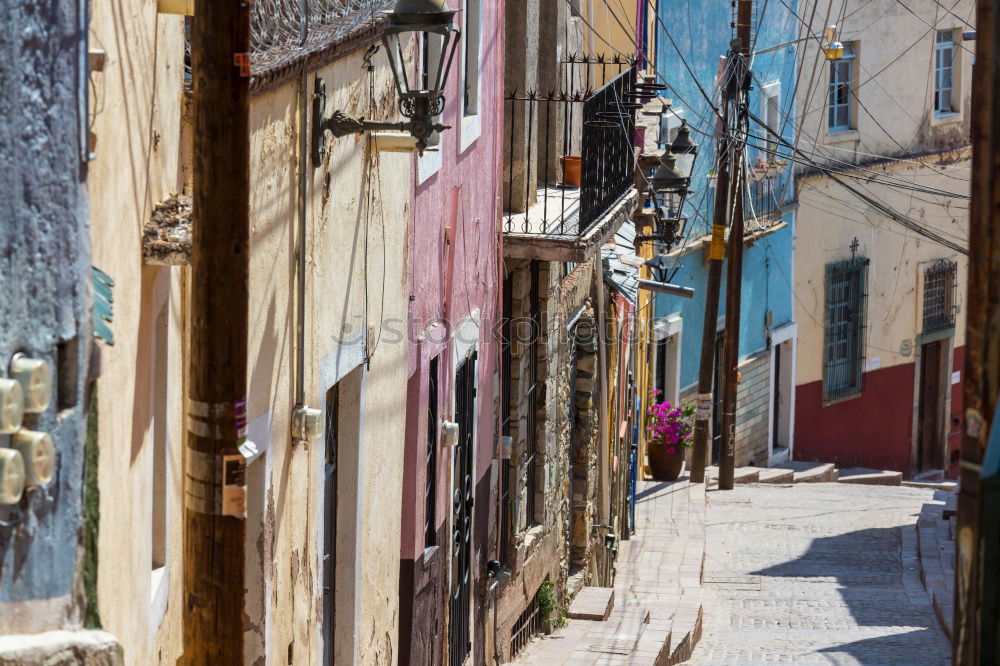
685,150
421,90
685,164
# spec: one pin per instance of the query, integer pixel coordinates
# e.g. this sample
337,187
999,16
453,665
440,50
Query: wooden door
929,444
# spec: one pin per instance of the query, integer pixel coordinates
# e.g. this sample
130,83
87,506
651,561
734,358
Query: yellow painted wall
135,114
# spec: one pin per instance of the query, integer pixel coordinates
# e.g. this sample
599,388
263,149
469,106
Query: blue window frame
841,79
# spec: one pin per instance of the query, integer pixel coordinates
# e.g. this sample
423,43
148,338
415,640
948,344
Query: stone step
740,474
811,472
593,603
777,475
870,477
930,485
930,475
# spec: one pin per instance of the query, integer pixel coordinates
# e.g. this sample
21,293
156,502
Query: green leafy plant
561,619
546,599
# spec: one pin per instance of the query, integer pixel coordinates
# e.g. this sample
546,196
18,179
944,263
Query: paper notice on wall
874,364
956,377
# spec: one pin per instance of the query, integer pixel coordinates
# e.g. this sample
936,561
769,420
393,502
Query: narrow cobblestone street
816,573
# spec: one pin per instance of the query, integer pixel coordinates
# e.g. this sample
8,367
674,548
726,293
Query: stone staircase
935,540
653,614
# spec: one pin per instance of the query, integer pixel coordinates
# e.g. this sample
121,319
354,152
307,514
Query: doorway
332,437
782,396
930,431
463,494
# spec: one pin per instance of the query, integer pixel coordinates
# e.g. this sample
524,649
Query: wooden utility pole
215,472
975,623
716,253
734,275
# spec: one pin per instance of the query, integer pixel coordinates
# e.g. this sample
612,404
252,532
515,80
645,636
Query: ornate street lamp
421,90
685,150
668,187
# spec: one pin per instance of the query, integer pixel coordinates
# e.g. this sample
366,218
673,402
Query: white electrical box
11,406
35,377
449,433
506,447
307,423
39,453
11,476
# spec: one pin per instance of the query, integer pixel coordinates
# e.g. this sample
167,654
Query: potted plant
572,166
668,434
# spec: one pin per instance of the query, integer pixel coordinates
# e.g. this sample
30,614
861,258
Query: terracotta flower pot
571,165
665,466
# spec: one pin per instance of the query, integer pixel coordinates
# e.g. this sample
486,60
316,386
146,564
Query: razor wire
283,32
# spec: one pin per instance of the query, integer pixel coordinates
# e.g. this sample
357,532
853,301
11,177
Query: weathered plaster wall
357,283
894,111
136,109
829,219
44,279
453,253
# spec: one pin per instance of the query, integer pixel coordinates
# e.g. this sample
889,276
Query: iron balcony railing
570,157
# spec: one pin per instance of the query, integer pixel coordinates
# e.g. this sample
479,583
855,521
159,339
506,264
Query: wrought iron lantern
420,89
422,97
685,150
667,179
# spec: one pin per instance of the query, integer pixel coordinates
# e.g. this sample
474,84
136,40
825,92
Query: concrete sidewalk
657,613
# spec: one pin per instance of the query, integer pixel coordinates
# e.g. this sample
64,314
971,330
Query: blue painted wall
702,35
44,280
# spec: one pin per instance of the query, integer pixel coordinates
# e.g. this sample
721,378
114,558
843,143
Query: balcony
569,169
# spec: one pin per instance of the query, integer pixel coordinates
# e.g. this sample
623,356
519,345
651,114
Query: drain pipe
300,292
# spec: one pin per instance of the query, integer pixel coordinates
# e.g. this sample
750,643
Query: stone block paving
817,573
936,548
656,618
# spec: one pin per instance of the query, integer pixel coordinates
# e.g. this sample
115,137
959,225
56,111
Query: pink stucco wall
463,196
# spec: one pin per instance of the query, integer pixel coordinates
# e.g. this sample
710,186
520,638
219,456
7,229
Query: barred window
430,458
846,303
940,282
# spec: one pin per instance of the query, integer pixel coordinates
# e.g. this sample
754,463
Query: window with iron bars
527,627
504,526
531,463
430,461
940,282
846,305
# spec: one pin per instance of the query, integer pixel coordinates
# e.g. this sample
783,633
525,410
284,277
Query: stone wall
547,545
753,411
45,308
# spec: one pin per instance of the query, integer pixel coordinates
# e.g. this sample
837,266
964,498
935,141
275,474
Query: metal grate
846,303
430,460
526,628
600,125
532,395
940,282
504,526
763,204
